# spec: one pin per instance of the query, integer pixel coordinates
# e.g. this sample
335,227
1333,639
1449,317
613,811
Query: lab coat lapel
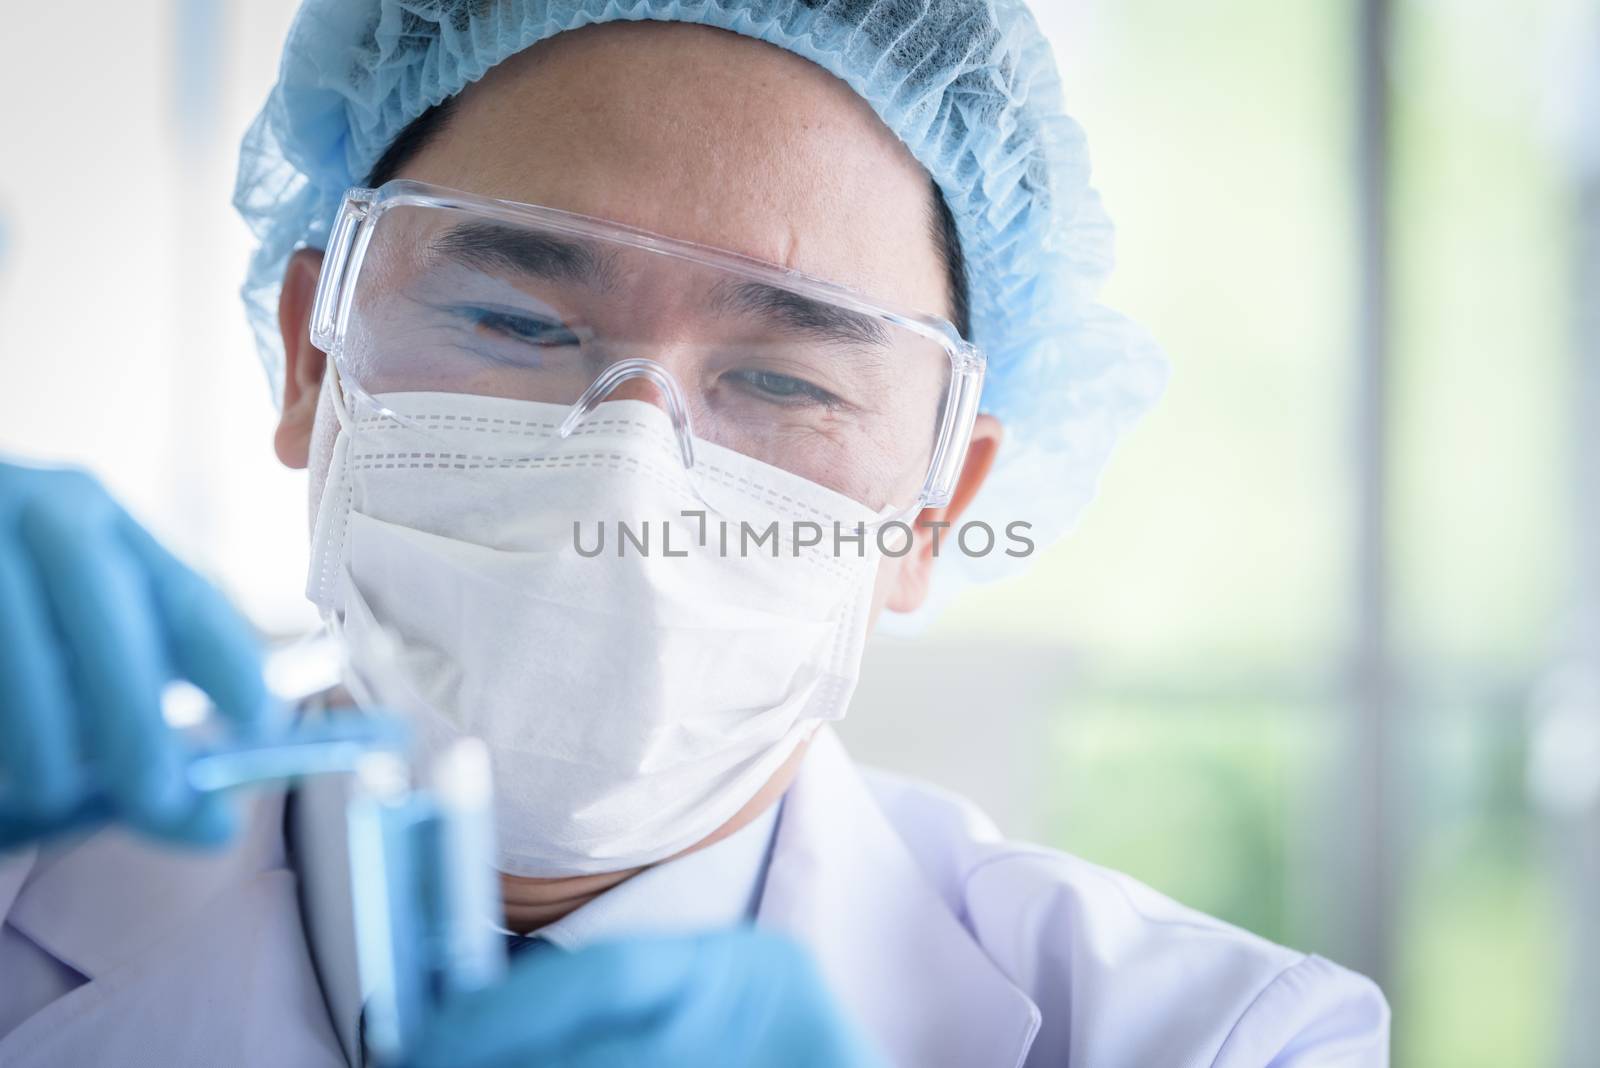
190,957
843,881
14,870
102,901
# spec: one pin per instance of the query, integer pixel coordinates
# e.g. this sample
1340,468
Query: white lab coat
950,945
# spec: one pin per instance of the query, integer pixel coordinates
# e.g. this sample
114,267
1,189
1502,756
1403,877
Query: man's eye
785,389
541,332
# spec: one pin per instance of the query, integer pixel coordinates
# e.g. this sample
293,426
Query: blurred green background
1208,599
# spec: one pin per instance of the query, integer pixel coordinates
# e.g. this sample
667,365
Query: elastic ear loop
318,586
341,410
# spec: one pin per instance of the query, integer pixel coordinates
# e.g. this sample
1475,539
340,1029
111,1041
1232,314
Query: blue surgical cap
970,86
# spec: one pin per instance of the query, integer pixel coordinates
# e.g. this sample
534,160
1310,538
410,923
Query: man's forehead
793,170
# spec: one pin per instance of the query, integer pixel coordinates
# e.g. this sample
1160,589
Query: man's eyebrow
802,314
492,246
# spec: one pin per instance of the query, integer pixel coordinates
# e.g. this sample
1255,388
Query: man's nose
638,379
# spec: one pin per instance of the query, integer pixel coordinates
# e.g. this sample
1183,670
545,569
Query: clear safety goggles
430,290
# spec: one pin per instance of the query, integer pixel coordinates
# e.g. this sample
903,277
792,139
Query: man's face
706,136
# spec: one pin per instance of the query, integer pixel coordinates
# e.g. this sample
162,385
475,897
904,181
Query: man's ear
915,570
304,363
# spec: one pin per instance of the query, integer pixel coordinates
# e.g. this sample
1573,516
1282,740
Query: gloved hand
737,997
95,618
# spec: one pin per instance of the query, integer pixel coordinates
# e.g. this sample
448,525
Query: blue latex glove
95,618
736,997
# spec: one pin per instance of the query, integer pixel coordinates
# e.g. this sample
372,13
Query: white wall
122,343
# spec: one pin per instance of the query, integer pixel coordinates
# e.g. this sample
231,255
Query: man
538,271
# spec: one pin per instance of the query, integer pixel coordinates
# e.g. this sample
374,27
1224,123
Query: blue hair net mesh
970,86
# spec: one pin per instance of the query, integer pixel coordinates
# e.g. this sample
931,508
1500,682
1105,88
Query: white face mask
632,703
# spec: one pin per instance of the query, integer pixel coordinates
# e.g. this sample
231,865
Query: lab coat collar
716,886
893,951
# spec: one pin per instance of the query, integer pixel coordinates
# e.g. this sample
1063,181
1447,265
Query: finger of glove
742,994
212,820
207,641
101,603
756,997
39,751
787,1016
582,997
759,999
